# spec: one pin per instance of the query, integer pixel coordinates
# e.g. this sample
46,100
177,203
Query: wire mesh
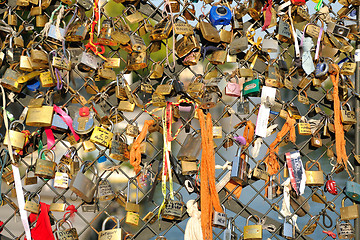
252,200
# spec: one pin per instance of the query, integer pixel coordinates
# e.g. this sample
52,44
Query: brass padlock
82,186
348,116
208,31
157,70
38,56
158,100
136,61
17,138
25,62
304,127
9,80
31,205
319,198
118,147
132,130
260,173
57,206
310,227
218,57
8,176
314,178
161,30
107,74
316,141
126,106
46,79
348,68
40,117
111,234
350,212
253,232
66,234
28,180
196,87
185,45
189,167
132,209
45,168
102,136
217,132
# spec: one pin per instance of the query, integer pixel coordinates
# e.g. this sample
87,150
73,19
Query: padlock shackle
32,196
114,218
315,163
254,216
82,168
45,151
61,222
343,201
17,122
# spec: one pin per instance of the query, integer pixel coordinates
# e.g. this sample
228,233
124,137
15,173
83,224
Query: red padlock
330,186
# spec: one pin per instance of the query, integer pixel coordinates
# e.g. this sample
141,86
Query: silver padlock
219,219
191,148
344,229
61,179
82,186
105,190
111,234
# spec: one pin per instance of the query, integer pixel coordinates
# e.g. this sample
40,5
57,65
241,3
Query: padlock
157,70
233,89
132,209
330,186
185,45
310,227
173,209
65,234
196,87
259,173
118,147
8,176
220,15
191,147
45,168
218,57
88,61
253,232
270,45
293,111
189,13
132,130
189,167
61,179
102,136
40,117
136,61
58,123
46,79
338,29
38,56
92,206
303,98
17,138
12,18
238,44
350,212
344,229
192,59
105,33
31,205
211,96
126,106
82,186
314,178
105,190
111,234
83,122
107,74
352,190
219,218
316,141
9,80
348,116
161,30
28,180
240,168
25,62
208,31
251,88
74,166
304,127
343,91
57,206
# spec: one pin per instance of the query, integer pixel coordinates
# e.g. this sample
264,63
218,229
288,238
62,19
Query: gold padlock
314,178
304,127
32,206
217,132
189,167
111,234
316,141
102,136
45,168
253,232
126,106
157,70
40,117
348,116
46,79
17,138
350,212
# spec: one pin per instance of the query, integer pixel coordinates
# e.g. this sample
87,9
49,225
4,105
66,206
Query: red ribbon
268,14
71,210
42,230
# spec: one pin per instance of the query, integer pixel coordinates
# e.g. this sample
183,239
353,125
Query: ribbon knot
71,211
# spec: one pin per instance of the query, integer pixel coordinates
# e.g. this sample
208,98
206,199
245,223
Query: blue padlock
220,15
352,190
321,69
33,85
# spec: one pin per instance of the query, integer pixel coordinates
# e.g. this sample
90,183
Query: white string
193,227
227,166
58,19
256,149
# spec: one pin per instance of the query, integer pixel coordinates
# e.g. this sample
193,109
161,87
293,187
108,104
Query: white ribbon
285,208
193,229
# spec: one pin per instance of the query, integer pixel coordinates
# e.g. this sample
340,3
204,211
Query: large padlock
191,147
350,212
31,205
82,186
65,234
219,219
17,138
45,168
83,122
348,116
344,229
102,136
352,190
253,232
61,179
173,209
105,190
111,234
240,168
314,178
40,116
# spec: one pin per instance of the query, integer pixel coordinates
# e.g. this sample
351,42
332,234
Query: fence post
357,126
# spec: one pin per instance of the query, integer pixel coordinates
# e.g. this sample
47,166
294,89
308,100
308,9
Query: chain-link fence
82,86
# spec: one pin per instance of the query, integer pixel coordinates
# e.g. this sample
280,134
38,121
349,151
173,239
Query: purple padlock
240,139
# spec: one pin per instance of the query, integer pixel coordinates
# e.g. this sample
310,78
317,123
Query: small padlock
66,234
253,232
45,168
105,190
61,179
350,212
17,138
173,209
57,206
28,180
310,227
240,168
219,219
189,167
31,205
132,130
102,136
132,209
316,141
348,116
118,147
217,132
304,127
111,234
314,178
259,173
344,229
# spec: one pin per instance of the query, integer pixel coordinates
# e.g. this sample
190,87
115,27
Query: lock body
352,190
314,178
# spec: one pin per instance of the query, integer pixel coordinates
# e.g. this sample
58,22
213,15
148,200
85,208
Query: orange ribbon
209,197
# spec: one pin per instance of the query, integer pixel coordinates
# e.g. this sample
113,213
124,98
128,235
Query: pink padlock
233,89
240,139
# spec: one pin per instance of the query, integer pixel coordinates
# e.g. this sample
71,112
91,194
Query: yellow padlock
102,136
